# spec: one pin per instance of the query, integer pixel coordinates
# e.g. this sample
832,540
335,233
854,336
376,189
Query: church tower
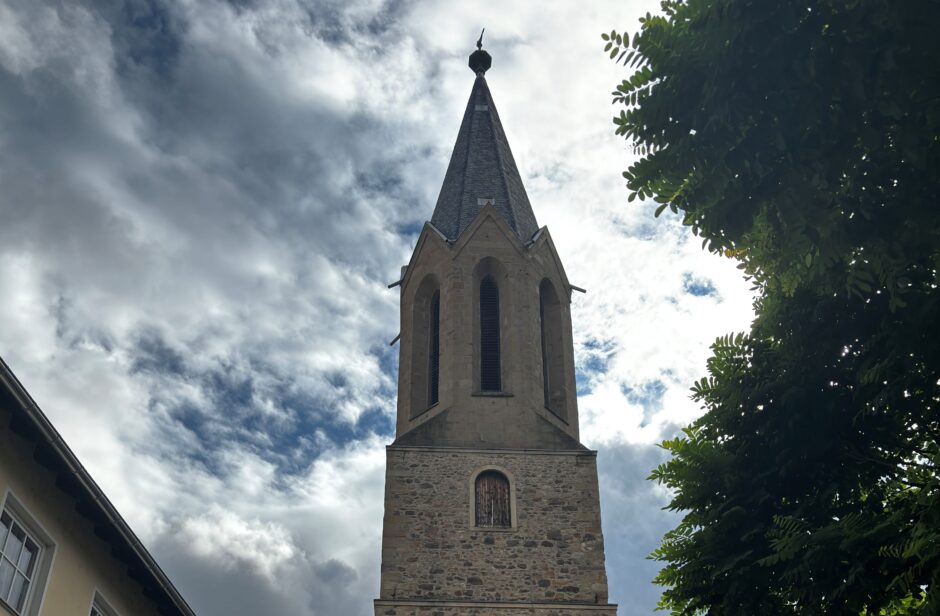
491,501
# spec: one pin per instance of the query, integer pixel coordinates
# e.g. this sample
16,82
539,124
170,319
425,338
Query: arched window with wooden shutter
489,335
493,502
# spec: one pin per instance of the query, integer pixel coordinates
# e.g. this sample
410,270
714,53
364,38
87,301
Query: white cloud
224,536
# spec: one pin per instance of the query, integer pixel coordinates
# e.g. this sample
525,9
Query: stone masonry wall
391,609
432,551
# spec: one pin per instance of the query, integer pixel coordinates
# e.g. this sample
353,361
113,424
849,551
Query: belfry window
553,350
493,502
434,348
425,346
489,335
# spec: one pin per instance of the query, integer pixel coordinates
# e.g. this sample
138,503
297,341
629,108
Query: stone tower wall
431,550
459,608
488,240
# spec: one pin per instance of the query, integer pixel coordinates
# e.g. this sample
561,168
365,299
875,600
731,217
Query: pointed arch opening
490,372
425,346
554,383
490,311
434,348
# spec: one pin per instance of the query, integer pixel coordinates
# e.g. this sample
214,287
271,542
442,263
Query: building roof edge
95,494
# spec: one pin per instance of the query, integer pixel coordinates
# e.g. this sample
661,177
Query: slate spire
482,169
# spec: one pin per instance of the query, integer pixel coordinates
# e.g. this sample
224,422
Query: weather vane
480,61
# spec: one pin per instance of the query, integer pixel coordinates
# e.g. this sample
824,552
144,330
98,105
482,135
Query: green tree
801,138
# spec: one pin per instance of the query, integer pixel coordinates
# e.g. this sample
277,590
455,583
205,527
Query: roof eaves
439,233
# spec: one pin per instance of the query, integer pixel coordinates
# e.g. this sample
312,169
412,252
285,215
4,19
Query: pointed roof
481,171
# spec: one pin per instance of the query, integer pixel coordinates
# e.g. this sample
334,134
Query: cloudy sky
201,204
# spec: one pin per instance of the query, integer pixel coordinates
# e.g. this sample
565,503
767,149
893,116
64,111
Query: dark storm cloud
328,587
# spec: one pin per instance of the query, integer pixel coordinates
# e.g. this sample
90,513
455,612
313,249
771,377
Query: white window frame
100,607
12,506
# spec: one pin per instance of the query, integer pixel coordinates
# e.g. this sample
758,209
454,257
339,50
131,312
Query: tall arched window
553,350
489,335
434,348
492,502
425,345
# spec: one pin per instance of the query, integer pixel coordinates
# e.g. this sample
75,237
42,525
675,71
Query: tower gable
430,239
521,413
543,248
488,216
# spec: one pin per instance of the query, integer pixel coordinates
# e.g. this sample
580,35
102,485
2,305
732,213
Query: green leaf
810,478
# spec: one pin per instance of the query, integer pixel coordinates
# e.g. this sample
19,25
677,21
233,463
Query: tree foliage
801,138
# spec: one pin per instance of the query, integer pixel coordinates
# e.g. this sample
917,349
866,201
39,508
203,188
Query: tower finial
480,61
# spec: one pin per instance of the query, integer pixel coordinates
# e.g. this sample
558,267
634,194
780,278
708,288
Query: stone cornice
543,452
581,607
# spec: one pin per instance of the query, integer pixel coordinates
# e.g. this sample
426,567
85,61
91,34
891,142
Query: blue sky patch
649,395
697,286
597,355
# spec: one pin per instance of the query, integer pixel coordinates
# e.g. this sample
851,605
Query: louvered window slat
489,336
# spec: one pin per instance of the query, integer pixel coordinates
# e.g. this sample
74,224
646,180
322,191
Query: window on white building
100,607
20,554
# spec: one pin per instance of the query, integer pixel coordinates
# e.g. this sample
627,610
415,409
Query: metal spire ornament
480,61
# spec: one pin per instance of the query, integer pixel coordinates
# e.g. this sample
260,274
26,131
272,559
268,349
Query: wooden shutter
489,336
493,500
